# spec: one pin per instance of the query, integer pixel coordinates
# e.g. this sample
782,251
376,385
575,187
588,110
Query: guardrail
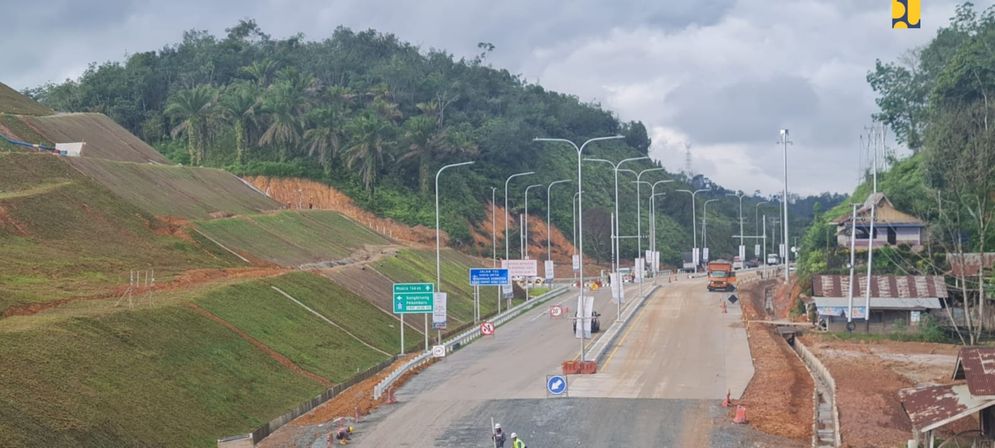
462,339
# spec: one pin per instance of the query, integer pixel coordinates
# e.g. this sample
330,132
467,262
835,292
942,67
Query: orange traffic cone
727,402
740,414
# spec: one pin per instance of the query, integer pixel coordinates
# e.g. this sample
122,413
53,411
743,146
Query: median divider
458,341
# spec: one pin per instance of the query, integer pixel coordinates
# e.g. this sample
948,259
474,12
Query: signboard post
438,351
756,250
548,270
556,385
489,277
412,298
439,311
487,328
522,268
575,261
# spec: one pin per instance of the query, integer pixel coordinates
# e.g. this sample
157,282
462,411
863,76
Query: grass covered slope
167,190
12,102
419,266
310,342
153,377
104,138
292,238
63,235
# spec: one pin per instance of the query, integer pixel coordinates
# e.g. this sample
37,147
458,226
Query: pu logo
905,13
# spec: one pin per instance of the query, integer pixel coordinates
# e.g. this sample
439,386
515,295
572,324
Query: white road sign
486,328
438,351
521,268
439,311
555,311
548,270
576,262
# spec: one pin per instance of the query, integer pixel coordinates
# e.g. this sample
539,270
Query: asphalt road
451,403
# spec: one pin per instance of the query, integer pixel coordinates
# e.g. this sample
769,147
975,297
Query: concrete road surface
658,390
680,345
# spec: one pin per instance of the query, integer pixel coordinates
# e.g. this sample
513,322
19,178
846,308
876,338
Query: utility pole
787,249
694,227
494,225
438,245
525,231
507,234
742,248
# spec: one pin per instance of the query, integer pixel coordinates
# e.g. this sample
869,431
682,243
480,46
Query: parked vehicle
595,323
737,263
773,259
721,277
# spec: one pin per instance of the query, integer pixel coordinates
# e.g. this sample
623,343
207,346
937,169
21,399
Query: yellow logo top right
905,13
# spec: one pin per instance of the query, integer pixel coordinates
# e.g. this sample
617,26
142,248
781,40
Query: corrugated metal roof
879,303
934,406
971,262
977,366
882,286
884,213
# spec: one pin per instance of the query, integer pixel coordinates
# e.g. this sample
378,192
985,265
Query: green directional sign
413,298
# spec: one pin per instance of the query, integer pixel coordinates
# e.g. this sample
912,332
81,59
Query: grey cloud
744,111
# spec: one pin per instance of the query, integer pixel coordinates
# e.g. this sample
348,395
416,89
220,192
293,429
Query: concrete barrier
820,373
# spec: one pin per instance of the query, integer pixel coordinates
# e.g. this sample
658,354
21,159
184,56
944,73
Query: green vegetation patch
419,266
302,337
186,192
292,237
20,131
163,377
62,235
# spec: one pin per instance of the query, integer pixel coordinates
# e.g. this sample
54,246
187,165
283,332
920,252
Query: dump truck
721,277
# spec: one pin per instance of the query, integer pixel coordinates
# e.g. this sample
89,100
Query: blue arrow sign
556,384
488,277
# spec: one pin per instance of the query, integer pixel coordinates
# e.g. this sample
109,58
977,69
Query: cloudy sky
719,75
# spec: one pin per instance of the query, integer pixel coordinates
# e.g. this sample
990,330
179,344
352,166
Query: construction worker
516,442
343,435
498,436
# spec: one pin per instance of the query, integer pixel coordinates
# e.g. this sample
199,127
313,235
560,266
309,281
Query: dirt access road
451,403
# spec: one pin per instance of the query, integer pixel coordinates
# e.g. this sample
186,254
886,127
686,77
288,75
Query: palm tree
261,72
239,106
193,108
284,105
325,136
367,148
422,137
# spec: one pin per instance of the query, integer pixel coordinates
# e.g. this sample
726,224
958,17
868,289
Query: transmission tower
687,160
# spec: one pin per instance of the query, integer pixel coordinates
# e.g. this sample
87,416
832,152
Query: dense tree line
372,115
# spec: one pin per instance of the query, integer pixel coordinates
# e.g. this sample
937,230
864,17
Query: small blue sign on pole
556,384
489,277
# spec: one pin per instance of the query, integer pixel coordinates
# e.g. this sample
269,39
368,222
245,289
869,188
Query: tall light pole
694,225
653,195
615,170
438,244
494,225
742,247
507,234
756,229
525,230
787,249
704,224
549,227
580,220
639,217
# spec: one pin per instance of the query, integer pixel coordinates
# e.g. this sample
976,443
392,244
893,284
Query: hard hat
497,426
513,435
350,428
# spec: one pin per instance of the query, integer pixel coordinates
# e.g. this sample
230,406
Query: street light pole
694,225
507,234
615,232
756,228
494,226
438,245
653,196
525,230
787,249
549,227
742,247
580,220
704,224
639,220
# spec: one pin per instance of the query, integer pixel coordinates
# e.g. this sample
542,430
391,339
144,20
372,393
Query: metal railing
458,341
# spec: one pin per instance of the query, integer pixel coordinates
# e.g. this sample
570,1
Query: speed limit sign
555,311
487,328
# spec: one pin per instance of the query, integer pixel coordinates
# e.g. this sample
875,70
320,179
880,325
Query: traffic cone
740,414
391,399
727,402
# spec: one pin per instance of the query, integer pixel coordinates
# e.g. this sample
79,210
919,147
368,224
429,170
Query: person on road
516,442
343,435
498,436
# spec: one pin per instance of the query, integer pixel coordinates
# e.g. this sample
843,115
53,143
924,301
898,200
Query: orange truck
721,276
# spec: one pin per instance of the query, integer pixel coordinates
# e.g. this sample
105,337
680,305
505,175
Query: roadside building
931,408
892,227
897,301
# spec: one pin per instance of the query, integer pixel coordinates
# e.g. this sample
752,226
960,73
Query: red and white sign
555,311
486,328
521,268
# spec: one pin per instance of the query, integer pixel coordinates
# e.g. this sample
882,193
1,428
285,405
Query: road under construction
660,384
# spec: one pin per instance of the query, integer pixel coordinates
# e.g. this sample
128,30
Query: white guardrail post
463,339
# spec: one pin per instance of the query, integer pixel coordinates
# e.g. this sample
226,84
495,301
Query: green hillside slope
291,238
12,102
62,235
166,190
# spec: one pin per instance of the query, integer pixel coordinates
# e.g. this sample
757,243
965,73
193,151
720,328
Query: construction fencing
455,343
268,428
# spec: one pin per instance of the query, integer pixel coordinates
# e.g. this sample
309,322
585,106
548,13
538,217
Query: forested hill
376,117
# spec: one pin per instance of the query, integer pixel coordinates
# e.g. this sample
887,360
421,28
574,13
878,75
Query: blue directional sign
556,384
488,277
